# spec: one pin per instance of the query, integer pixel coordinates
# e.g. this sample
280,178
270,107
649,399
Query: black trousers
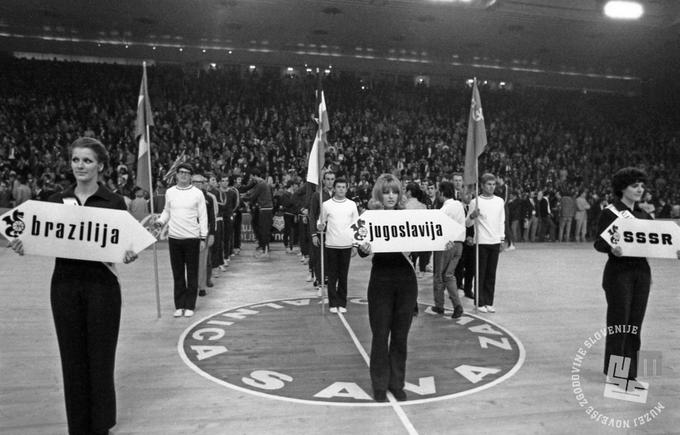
488,262
626,287
465,270
238,218
305,238
217,249
184,260
315,260
423,259
392,294
290,230
254,224
337,261
87,320
264,225
228,237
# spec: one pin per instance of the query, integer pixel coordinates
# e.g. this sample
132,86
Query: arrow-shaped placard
644,237
68,231
405,230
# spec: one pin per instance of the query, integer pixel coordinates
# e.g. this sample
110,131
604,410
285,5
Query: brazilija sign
405,230
68,231
644,237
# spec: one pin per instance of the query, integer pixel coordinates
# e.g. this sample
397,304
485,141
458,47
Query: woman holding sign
392,296
86,300
626,280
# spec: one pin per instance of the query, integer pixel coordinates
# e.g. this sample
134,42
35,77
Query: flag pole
151,205
476,221
476,236
322,278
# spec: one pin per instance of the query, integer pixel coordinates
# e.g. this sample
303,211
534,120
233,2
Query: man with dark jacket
260,197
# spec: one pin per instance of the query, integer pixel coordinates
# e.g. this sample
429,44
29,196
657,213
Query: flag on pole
317,155
476,137
167,178
144,120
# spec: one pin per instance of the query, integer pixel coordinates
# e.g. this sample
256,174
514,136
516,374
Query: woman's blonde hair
385,183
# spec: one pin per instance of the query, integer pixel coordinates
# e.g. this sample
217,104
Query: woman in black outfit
392,294
626,280
86,302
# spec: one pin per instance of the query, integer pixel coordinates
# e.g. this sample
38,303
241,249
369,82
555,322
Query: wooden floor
548,296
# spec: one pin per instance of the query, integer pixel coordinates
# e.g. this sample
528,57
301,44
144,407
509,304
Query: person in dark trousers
489,211
626,280
337,214
392,294
261,198
86,305
289,207
314,213
186,214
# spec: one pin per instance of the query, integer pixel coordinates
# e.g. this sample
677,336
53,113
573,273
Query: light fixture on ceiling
623,10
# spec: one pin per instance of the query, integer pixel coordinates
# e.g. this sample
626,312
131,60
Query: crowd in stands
559,143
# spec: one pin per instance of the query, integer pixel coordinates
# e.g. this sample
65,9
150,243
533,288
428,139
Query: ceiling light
625,10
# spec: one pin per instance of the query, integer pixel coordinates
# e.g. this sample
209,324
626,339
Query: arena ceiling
569,36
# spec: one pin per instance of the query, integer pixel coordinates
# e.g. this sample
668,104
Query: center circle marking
287,350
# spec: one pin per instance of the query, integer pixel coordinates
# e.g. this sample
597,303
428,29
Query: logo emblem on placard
15,224
615,236
360,231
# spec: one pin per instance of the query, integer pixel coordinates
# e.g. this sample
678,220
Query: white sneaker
178,313
342,309
510,248
490,309
188,313
334,310
428,268
310,278
223,268
318,291
482,309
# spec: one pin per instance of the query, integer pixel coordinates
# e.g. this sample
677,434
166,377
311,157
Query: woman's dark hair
97,148
624,177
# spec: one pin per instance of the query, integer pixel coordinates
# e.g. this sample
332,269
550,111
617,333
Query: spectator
581,217
567,213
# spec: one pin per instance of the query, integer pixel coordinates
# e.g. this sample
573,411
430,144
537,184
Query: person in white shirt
489,212
445,262
187,218
337,214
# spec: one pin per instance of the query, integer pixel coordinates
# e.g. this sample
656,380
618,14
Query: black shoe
457,312
438,310
210,284
380,395
202,292
400,395
316,283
